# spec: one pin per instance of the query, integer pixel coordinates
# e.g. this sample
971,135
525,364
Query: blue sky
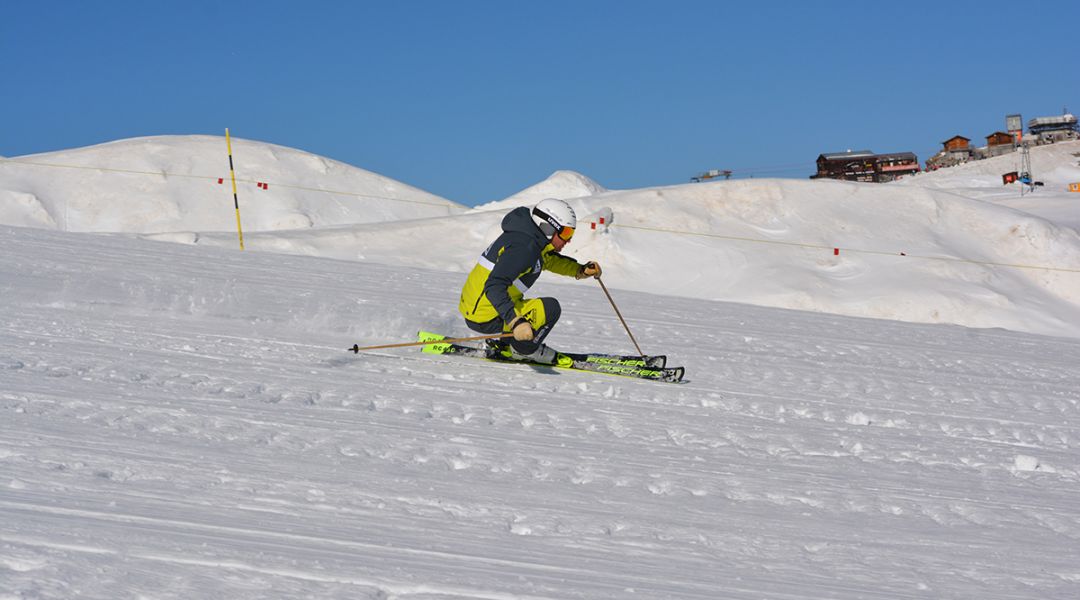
476,100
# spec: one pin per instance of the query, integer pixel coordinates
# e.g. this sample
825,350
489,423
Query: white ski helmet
554,216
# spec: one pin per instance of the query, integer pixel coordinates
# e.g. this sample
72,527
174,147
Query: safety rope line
838,249
214,179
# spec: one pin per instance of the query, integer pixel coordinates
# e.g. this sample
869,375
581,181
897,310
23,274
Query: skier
493,298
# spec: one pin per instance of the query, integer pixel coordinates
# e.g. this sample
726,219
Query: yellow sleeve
557,263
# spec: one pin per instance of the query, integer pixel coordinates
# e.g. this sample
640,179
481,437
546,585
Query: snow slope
198,431
1055,165
171,184
945,247
905,252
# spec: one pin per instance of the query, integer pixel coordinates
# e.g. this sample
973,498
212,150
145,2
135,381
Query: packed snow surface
199,431
183,420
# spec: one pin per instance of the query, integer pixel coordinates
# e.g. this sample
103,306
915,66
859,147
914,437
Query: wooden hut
999,138
956,143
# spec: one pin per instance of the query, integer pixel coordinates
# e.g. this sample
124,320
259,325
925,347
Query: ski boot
542,356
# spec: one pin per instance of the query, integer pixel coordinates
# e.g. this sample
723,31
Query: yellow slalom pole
236,201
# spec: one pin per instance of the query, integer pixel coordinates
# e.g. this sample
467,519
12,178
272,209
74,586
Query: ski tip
680,372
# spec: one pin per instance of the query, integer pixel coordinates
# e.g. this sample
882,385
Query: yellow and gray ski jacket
509,267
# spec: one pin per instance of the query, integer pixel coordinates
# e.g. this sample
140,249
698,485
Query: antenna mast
1026,180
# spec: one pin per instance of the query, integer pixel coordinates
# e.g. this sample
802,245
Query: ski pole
356,348
619,314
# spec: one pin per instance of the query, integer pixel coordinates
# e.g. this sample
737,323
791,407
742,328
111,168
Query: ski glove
523,331
589,269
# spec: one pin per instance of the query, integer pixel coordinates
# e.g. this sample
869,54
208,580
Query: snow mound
182,183
563,185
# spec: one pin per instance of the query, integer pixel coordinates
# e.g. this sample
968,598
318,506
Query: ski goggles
563,231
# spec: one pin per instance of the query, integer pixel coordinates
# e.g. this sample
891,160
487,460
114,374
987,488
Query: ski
649,367
658,361
666,374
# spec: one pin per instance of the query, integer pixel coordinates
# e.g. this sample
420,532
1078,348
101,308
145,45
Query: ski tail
433,347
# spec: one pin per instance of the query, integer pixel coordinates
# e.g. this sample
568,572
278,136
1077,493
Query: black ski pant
552,312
